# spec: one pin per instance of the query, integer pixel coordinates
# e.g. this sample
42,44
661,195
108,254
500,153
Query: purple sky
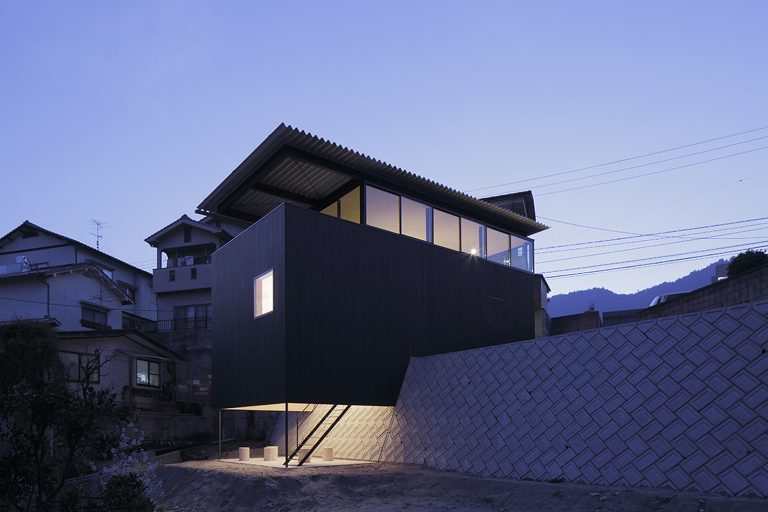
132,112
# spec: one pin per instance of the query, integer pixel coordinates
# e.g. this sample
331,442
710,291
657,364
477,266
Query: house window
147,373
331,210
382,209
498,246
193,273
417,219
93,317
171,275
263,294
522,254
446,230
349,206
79,367
194,316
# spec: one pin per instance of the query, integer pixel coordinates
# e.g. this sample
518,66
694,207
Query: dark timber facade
351,267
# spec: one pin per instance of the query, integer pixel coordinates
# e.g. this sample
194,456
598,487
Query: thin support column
219,433
286,434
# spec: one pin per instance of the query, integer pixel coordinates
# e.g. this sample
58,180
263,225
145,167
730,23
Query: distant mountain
606,300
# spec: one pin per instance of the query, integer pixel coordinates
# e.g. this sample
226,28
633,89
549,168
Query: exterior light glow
473,251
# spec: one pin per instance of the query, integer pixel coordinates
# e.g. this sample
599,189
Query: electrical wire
643,265
733,247
653,173
647,164
539,262
668,150
638,235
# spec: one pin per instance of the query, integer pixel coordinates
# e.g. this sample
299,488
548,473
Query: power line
669,169
643,265
561,173
654,257
605,173
639,235
78,305
697,239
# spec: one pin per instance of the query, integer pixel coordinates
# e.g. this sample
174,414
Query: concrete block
270,453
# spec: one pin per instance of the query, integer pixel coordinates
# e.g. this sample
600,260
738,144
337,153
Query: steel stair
318,433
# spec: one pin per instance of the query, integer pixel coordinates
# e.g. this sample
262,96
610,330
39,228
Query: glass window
382,209
472,238
446,229
148,373
263,294
498,246
349,206
93,318
331,209
521,254
416,219
71,362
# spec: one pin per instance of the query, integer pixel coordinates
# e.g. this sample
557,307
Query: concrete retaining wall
679,402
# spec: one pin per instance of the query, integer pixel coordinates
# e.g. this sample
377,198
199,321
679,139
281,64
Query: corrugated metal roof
315,168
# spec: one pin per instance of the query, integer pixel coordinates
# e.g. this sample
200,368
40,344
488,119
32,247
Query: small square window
263,294
193,273
171,275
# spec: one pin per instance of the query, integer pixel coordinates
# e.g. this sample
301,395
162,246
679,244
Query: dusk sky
132,112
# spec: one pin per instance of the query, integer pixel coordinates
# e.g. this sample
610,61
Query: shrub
126,493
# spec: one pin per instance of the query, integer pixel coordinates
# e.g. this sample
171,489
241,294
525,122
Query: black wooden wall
355,304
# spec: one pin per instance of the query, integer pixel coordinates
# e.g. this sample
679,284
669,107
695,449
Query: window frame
262,277
96,310
149,362
80,355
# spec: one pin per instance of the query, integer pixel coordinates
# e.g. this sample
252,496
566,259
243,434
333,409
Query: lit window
416,219
472,238
498,246
332,209
446,230
349,206
147,373
382,209
521,254
263,294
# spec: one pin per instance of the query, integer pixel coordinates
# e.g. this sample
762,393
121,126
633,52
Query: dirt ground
223,486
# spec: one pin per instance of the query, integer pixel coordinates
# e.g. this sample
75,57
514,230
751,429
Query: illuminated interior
277,407
402,215
263,294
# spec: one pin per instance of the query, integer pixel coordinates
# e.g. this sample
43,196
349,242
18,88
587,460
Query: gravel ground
214,485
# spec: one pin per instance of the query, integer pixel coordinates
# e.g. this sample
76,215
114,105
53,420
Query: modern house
351,267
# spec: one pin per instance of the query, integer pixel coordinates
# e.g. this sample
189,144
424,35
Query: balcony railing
187,261
178,324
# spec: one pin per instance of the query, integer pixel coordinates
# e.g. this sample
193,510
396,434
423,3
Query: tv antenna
98,225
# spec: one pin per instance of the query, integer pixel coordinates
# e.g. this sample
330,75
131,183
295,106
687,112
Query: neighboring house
171,396
102,308
182,282
353,266
47,276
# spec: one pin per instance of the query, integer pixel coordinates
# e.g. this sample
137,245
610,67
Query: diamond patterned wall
678,402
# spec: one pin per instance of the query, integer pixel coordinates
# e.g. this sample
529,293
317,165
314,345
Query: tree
747,260
49,430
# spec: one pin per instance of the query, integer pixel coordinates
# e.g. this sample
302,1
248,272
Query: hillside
606,300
